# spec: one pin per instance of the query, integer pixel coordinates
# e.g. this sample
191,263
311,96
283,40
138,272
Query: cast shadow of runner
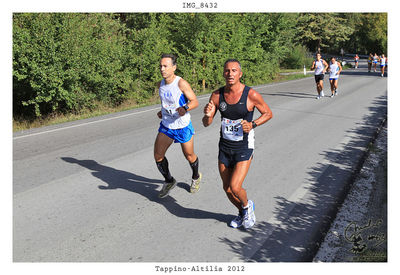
291,94
148,188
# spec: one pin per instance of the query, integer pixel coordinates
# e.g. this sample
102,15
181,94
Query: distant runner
383,62
356,58
375,60
370,59
320,67
334,71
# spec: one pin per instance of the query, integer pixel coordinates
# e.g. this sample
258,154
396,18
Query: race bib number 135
232,129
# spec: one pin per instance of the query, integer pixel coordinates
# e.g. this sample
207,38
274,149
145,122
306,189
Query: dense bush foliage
68,62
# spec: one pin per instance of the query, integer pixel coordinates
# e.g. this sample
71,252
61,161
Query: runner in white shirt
375,60
334,71
177,99
320,67
383,62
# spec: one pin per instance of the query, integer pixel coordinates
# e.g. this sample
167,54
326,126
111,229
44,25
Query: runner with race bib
236,103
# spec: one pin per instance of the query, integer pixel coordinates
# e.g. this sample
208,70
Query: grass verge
20,124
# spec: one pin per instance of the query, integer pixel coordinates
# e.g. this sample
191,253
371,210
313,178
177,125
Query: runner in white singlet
177,99
375,60
383,62
334,71
320,67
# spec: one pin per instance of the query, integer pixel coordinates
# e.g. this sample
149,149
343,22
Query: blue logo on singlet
167,94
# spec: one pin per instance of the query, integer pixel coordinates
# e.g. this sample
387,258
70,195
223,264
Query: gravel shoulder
359,231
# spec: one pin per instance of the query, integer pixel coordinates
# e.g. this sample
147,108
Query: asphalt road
88,190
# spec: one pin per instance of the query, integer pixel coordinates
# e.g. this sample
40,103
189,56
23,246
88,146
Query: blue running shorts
182,135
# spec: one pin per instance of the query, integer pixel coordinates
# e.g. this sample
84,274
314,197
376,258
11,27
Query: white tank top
319,67
334,69
383,61
171,99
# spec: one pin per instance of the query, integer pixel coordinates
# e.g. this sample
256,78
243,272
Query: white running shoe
249,218
196,184
332,95
318,97
238,221
322,94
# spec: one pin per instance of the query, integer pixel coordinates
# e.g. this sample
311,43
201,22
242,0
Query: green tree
66,62
322,31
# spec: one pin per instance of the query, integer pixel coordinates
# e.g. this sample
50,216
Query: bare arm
184,86
159,113
211,109
326,66
258,102
313,65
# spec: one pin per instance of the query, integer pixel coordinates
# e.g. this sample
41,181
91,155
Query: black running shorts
230,157
319,77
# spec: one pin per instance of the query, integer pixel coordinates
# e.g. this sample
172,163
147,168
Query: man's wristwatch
186,107
253,124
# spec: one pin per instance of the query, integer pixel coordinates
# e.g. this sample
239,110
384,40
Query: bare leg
233,179
226,175
321,85
161,146
188,150
332,82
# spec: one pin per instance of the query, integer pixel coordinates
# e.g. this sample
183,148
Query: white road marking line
92,122
106,119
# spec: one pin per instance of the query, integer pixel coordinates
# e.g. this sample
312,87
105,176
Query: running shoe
332,95
318,97
322,94
238,221
249,218
195,184
166,188
336,92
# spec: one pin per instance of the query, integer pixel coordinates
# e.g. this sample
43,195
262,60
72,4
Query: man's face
318,56
232,73
167,69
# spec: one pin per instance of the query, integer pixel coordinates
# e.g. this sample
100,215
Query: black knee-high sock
195,169
163,168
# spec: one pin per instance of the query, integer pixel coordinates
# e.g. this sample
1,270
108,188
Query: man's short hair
167,55
233,60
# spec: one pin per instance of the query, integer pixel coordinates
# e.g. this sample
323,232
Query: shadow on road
291,94
358,72
312,94
300,226
148,188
